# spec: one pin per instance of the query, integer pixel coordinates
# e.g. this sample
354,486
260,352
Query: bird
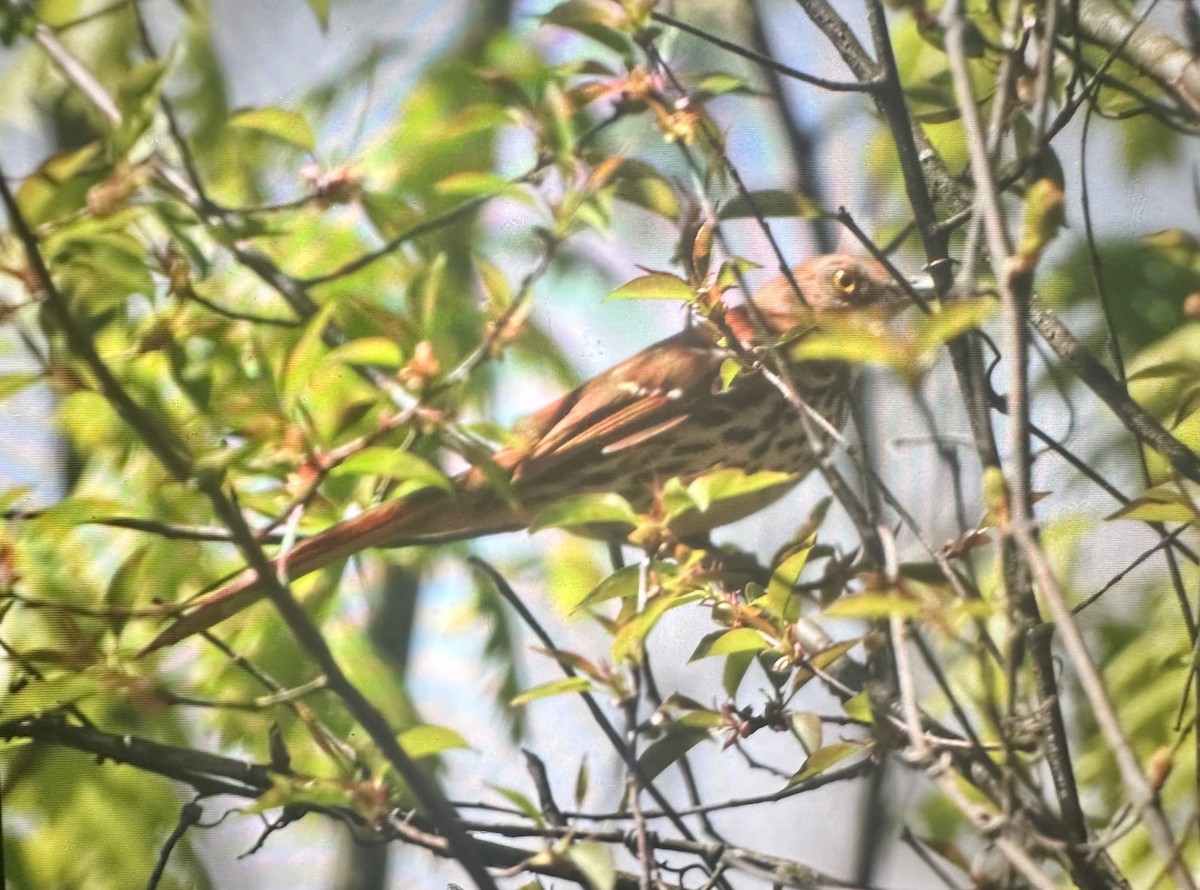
664,412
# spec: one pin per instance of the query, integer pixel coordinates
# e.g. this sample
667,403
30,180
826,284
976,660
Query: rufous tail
424,517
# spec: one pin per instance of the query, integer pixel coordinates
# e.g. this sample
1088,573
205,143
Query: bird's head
836,284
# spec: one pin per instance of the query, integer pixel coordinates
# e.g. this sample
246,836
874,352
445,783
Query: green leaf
621,584
730,270
858,707
669,749
734,671
40,697
727,484
137,99
129,581
595,862
823,758
603,509
718,84
379,351
59,186
730,369
1044,216
638,183
854,339
807,729
278,123
392,463
957,318
320,9
520,801
475,183
874,605
601,21
581,783
629,639
73,511
727,642
1183,369
779,599
1162,503
655,286
10,497
287,790
771,202
306,356
553,687
11,384
428,740
832,653
101,270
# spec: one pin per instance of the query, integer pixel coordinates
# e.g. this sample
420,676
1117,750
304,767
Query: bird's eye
846,281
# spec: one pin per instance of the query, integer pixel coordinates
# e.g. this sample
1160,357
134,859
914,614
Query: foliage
251,325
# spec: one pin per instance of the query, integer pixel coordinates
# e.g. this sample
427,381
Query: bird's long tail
425,517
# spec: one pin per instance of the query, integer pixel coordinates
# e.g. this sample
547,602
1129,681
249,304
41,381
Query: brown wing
629,404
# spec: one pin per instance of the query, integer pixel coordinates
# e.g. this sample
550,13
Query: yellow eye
846,281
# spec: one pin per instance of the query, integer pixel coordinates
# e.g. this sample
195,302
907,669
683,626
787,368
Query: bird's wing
631,403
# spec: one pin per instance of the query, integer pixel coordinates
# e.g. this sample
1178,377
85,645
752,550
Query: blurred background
367,80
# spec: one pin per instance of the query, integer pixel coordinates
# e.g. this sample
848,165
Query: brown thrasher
660,414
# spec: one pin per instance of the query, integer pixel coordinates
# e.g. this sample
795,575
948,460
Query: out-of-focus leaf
770,202
520,801
137,98
621,584
603,509
858,707
667,750
730,369
380,351
578,662
40,697
640,184
59,186
101,269
594,860
596,19
15,382
874,605
727,275
734,671
939,328
1145,282
551,688
472,183
296,790
392,463
1044,216
278,123
306,355
823,758
1162,503
718,84
655,286
630,638
428,740
320,9
581,783
727,642
728,484
779,599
